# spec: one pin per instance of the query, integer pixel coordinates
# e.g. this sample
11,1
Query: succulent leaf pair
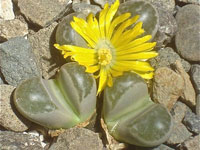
70,99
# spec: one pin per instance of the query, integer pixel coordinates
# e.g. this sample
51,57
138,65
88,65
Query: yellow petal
137,56
110,80
93,24
92,69
116,22
102,80
133,65
115,73
140,48
148,75
109,16
86,60
134,43
86,29
122,27
102,20
75,49
79,30
130,35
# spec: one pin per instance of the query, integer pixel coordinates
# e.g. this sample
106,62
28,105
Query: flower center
104,56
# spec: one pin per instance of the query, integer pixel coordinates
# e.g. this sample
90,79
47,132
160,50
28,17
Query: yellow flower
113,46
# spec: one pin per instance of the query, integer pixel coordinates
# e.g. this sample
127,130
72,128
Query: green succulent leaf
131,116
66,35
148,15
63,102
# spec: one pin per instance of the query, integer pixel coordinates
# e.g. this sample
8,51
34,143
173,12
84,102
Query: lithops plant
131,116
63,102
65,34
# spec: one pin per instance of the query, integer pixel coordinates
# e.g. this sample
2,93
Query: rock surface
19,141
12,28
167,87
167,5
195,75
43,12
179,134
191,144
17,61
187,37
48,58
188,95
178,112
192,122
78,139
167,28
190,1
6,10
166,58
198,104
8,117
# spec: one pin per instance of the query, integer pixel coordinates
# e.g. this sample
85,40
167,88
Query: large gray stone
167,87
19,141
12,28
188,35
43,12
17,61
48,58
166,58
78,139
9,118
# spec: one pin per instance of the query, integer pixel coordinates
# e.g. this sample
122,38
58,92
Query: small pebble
198,105
192,122
179,134
178,112
12,28
6,10
191,144
167,87
188,96
195,75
